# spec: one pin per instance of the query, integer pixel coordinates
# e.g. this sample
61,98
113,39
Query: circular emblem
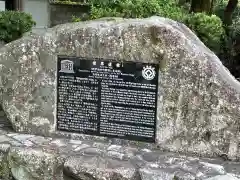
148,73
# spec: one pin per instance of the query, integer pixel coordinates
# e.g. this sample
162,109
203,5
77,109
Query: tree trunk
231,6
201,6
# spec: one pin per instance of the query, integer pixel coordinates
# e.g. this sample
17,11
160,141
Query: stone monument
145,83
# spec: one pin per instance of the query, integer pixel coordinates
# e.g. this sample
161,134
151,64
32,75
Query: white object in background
39,11
2,6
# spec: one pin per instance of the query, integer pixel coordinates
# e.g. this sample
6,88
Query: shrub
208,28
14,24
136,9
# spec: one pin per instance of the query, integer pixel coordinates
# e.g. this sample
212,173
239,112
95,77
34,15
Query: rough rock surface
198,101
30,157
33,163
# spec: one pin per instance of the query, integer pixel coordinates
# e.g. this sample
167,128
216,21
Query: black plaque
107,98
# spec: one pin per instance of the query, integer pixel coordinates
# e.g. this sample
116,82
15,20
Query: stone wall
62,13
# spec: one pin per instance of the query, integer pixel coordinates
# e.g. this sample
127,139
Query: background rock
99,168
198,101
35,164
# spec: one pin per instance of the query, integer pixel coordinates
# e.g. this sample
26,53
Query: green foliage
136,9
76,19
220,7
230,49
231,46
208,28
234,36
72,2
14,24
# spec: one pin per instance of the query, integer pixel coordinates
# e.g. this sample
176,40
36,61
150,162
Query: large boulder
198,101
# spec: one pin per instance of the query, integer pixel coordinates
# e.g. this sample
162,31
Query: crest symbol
148,73
66,66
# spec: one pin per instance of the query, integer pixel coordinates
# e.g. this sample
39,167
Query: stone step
30,157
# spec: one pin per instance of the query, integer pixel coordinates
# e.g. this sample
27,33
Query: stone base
30,157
